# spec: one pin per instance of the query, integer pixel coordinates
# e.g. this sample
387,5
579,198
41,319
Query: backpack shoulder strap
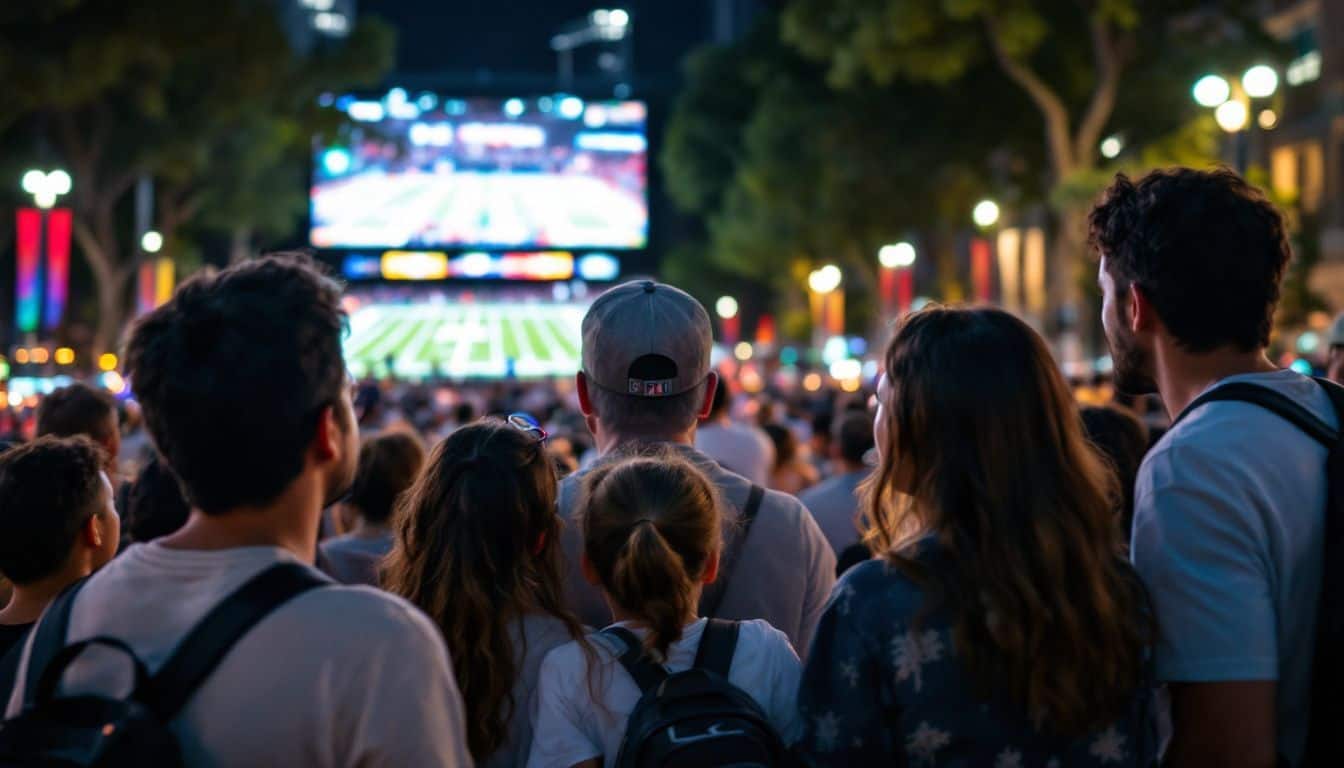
717,645
206,645
646,673
49,639
1282,405
710,606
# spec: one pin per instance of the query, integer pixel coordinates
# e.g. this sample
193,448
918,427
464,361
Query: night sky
512,36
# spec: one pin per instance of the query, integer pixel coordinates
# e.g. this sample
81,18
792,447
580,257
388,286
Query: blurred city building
1306,146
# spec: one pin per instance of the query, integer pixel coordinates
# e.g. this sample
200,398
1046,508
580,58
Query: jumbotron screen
420,172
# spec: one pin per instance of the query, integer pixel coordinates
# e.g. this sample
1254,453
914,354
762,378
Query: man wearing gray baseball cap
646,382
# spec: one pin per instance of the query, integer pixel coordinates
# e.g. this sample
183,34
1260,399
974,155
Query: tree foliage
207,99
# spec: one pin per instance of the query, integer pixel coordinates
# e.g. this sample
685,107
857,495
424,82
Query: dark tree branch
1109,58
1052,107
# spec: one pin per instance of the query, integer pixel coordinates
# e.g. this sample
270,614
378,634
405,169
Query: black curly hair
233,374
49,489
1206,248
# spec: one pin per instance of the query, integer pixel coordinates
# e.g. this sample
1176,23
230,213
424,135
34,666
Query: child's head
387,466
477,546
56,510
651,540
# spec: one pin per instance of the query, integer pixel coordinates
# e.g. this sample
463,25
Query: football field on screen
485,340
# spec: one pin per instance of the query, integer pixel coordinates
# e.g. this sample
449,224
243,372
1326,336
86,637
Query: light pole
985,215
1234,102
727,310
605,25
898,262
828,304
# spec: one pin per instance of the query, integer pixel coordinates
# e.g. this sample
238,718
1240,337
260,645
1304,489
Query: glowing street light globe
1231,116
726,307
1111,147
986,213
1211,90
825,280
897,255
1260,81
151,242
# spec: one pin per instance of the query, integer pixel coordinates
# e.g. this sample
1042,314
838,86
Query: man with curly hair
1229,507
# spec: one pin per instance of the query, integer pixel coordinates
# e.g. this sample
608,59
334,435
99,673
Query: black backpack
95,730
696,718
1324,746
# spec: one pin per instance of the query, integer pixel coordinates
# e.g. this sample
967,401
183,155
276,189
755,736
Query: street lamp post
1234,106
727,310
898,262
985,215
828,303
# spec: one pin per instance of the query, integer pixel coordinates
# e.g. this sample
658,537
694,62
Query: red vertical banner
27,301
731,326
58,267
980,269
145,288
765,331
905,290
887,283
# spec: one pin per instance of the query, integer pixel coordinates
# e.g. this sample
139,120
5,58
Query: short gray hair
647,416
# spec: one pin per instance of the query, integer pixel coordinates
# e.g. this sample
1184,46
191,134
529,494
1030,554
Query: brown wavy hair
650,526
985,453
477,547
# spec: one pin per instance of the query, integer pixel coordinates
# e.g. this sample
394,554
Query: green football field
464,340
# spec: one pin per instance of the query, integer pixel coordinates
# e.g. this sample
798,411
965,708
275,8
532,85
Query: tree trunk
240,244
97,242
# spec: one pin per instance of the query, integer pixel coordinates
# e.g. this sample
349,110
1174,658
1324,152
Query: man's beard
1133,368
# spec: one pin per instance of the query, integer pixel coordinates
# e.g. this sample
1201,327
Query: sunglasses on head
524,422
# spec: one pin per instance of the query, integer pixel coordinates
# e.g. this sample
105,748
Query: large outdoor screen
420,172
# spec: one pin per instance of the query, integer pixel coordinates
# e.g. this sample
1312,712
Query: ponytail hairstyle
650,527
477,546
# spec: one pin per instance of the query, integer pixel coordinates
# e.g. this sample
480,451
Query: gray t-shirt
784,575
834,504
336,677
1229,512
354,558
740,448
533,636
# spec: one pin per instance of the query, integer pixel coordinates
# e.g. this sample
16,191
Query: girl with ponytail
651,536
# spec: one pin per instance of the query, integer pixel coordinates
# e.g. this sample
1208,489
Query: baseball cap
646,339
1337,331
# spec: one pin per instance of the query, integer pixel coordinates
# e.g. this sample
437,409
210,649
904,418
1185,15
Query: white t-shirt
741,448
569,728
338,676
1229,511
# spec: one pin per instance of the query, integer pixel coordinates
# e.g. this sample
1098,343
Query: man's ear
1142,314
711,384
328,439
585,400
92,533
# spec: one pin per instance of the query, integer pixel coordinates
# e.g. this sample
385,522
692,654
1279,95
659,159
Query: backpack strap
1275,402
710,605
646,673
717,645
206,645
49,639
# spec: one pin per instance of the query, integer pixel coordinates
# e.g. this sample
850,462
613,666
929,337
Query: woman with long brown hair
478,550
1001,624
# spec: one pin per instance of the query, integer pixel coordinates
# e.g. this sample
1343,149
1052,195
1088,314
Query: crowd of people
962,567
